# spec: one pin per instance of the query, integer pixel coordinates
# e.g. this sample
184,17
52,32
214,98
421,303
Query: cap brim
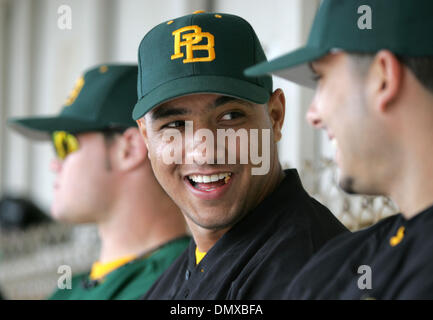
293,66
200,84
40,128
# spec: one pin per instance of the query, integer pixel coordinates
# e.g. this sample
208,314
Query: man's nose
313,116
200,144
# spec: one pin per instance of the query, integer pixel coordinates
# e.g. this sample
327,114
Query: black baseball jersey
390,260
258,257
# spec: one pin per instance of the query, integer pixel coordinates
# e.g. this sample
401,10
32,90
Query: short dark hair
422,67
109,136
111,132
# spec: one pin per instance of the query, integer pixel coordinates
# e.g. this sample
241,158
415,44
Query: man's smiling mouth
209,182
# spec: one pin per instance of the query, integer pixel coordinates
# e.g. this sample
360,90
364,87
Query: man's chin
353,186
210,223
347,183
56,214
65,216
59,217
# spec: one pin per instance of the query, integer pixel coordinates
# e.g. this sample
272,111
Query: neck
414,192
138,222
205,239
412,189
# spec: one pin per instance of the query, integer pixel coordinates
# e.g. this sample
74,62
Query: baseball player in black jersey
253,224
371,64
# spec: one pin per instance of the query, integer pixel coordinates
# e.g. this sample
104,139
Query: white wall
39,64
282,26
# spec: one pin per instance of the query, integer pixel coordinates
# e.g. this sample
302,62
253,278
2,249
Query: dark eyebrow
226,99
165,111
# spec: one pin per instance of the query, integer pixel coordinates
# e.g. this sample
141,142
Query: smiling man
371,63
252,230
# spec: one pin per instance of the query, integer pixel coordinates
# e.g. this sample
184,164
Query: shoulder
347,241
340,253
173,248
342,250
144,272
173,253
301,209
168,279
66,293
309,221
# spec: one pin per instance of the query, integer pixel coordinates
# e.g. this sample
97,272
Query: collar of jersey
100,270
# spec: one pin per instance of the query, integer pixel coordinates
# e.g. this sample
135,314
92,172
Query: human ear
132,150
276,111
384,80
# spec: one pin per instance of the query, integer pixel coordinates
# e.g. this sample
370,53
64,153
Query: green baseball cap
102,98
199,53
366,26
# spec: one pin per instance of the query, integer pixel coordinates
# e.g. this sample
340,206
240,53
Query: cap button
103,69
198,11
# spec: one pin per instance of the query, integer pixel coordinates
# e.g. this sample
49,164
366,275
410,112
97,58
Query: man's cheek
170,149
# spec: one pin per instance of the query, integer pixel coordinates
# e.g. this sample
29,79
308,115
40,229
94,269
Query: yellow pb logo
191,42
75,92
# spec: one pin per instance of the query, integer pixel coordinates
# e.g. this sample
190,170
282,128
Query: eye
232,115
175,124
317,77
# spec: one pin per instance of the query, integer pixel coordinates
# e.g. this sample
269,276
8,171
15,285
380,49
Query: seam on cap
112,85
109,90
140,72
254,49
194,70
139,50
252,33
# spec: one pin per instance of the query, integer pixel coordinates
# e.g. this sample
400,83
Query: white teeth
209,178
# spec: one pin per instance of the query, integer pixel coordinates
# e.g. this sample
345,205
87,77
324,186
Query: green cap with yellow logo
102,98
366,26
199,53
